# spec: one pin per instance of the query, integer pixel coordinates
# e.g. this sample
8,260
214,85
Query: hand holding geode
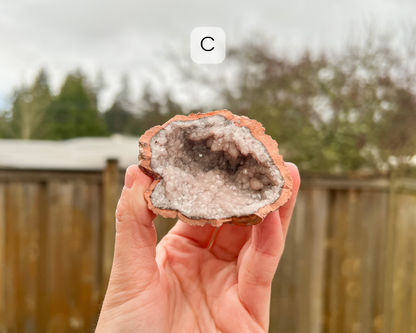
213,168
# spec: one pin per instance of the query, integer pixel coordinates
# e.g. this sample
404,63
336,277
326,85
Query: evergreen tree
171,108
119,117
4,126
74,112
154,111
28,110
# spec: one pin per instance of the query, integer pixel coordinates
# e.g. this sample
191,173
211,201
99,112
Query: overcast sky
131,36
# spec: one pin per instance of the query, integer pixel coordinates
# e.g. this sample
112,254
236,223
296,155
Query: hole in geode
211,168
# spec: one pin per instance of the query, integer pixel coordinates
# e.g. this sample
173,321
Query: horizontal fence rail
349,263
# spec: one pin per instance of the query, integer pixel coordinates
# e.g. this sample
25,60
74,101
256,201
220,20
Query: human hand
183,286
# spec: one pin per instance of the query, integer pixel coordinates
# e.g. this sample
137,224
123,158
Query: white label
208,45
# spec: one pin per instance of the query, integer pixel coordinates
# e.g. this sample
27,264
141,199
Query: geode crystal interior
213,168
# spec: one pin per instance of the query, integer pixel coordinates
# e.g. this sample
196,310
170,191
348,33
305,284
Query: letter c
202,43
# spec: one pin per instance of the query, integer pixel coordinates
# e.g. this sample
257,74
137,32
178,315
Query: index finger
260,261
286,210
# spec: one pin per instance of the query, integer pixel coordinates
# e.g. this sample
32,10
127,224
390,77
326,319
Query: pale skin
183,286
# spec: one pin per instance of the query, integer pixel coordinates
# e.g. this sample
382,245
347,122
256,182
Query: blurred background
334,83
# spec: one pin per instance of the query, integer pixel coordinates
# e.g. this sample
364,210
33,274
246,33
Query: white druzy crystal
212,169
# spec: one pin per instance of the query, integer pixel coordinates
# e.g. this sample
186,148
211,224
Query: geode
213,168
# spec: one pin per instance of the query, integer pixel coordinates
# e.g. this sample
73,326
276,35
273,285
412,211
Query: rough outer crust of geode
213,168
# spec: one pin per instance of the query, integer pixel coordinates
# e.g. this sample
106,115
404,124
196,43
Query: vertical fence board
329,258
369,216
412,212
403,265
351,266
82,263
22,262
319,208
13,280
379,229
284,298
95,258
44,280
111,194
59,247
338,257
29,254
294,264
389,254
300,262
3,328
84,256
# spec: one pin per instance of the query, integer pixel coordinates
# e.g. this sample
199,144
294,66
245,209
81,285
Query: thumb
134,265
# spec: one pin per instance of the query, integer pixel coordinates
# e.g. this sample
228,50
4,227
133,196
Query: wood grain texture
349,262
297,297
319,207
404,265
351,267
412,211
3,316
111,194
13,280
61,196
44,281
28,229
93,238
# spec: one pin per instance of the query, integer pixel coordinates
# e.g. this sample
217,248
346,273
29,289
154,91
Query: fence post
111,193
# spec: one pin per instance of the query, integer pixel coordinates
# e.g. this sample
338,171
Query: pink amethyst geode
213,168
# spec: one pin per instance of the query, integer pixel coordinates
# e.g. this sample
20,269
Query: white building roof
73,154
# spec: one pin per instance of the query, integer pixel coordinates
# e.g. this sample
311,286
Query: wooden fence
349,264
